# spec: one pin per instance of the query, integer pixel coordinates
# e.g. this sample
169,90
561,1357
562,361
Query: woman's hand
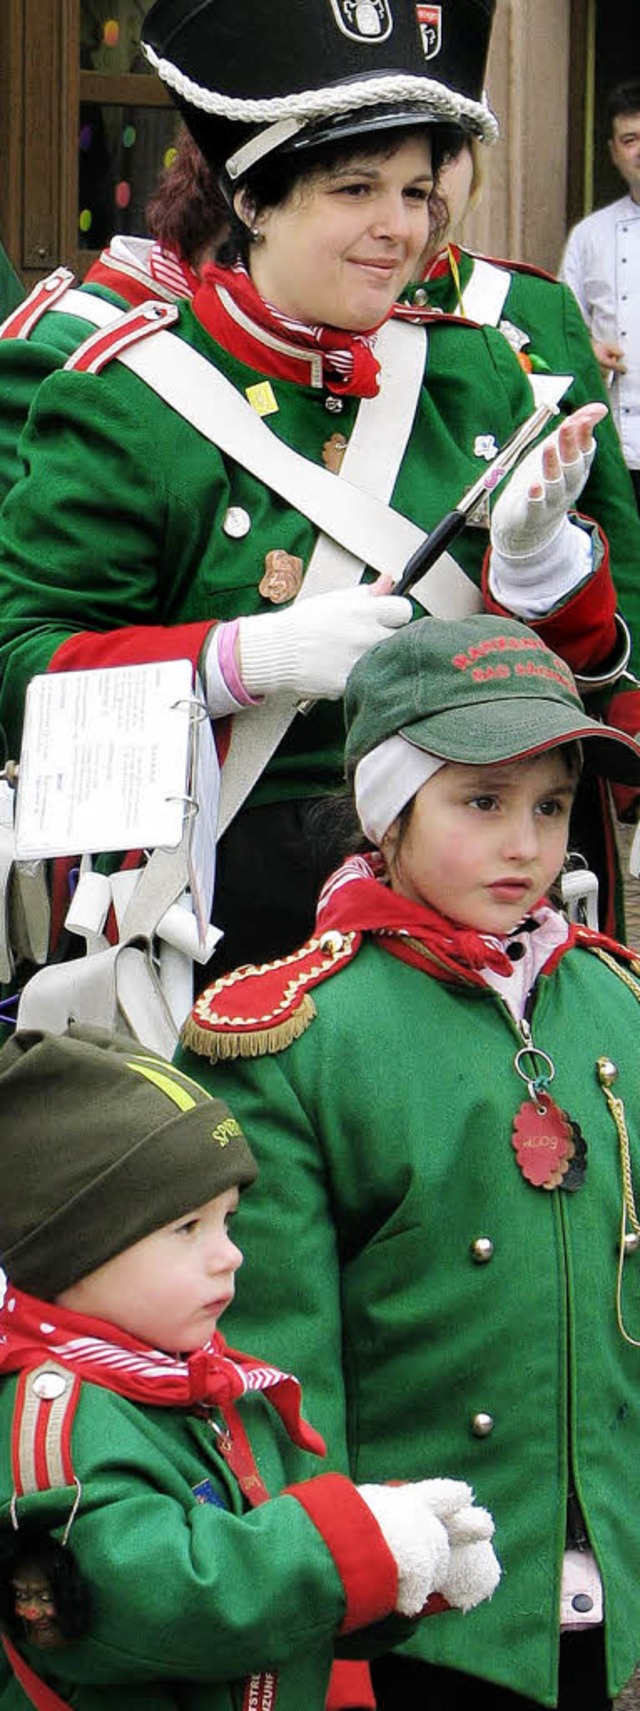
532,509
311,648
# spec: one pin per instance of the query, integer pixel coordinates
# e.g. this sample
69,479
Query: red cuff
367,1569
138,644
624,712
350,1687
583,629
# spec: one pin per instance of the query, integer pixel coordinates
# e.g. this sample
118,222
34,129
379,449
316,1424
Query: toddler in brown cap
138,1552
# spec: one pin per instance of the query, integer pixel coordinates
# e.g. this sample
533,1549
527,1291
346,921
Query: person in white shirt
601,262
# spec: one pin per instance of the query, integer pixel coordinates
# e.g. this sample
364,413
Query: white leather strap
485,294
347,510
380,537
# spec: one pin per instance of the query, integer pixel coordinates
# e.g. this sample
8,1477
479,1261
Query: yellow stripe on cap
160,1075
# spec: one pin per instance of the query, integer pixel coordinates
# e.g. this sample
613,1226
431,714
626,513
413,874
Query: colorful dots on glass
85,219
169,157
111,33
122,194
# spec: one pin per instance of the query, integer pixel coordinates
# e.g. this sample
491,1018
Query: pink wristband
226,635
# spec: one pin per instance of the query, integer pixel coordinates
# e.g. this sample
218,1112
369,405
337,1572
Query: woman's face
346,241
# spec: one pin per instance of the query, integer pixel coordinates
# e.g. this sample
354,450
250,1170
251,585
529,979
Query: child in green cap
443,1093
140,1560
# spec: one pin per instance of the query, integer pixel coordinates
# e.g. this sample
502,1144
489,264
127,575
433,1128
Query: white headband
386,779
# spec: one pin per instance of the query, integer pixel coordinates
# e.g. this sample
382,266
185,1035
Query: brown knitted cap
101,1142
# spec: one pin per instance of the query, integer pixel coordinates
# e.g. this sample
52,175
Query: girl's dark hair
273,179
187,211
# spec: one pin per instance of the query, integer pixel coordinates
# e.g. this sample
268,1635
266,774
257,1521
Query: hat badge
430,27
363,20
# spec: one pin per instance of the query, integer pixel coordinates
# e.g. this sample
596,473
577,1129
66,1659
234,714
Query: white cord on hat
442,102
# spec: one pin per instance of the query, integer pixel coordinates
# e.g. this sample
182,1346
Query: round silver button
482,1425
482,1250
237,522
49,1385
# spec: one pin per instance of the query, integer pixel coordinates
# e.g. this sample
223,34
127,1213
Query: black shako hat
250,76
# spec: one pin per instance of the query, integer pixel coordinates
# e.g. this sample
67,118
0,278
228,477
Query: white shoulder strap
378,536
485,295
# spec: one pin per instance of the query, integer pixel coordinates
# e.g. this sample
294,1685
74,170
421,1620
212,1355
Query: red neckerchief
354,899
213,1376
347,360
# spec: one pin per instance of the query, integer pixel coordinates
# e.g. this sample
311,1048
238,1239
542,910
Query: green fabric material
120,518
11,288
383,1140
547,311
188,1597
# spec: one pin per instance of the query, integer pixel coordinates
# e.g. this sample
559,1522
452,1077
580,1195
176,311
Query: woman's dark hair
187,211
273,179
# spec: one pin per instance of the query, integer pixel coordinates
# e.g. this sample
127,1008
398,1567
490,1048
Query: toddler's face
171,1288
484,843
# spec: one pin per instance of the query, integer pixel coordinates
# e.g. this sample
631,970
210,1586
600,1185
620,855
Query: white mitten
474,1570
415,1536
312,647
414,1518
521,525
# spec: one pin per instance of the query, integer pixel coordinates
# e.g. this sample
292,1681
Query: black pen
456,520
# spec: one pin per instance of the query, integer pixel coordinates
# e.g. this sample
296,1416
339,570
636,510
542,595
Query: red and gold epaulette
258,1009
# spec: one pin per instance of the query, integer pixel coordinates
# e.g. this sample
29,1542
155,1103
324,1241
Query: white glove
312,647
415,1536
523,524
419,1521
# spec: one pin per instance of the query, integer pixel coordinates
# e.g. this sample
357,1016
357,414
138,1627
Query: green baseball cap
101,1142
476,690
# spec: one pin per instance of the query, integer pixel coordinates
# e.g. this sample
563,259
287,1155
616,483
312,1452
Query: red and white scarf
354,899
348,362
213,1376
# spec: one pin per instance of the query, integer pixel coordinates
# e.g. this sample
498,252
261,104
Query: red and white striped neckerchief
261,338
213,1376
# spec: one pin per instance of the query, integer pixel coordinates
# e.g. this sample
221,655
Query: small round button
582,1601
236,522
482,1425
631,1242
49,1385
420,297
482,1250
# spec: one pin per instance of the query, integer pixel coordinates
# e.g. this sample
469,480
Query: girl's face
345,242
484,843
170,1288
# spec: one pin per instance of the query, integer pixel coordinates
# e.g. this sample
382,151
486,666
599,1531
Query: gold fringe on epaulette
206,1042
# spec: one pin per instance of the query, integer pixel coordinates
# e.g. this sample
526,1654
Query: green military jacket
445,1316
191,1592
121,519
